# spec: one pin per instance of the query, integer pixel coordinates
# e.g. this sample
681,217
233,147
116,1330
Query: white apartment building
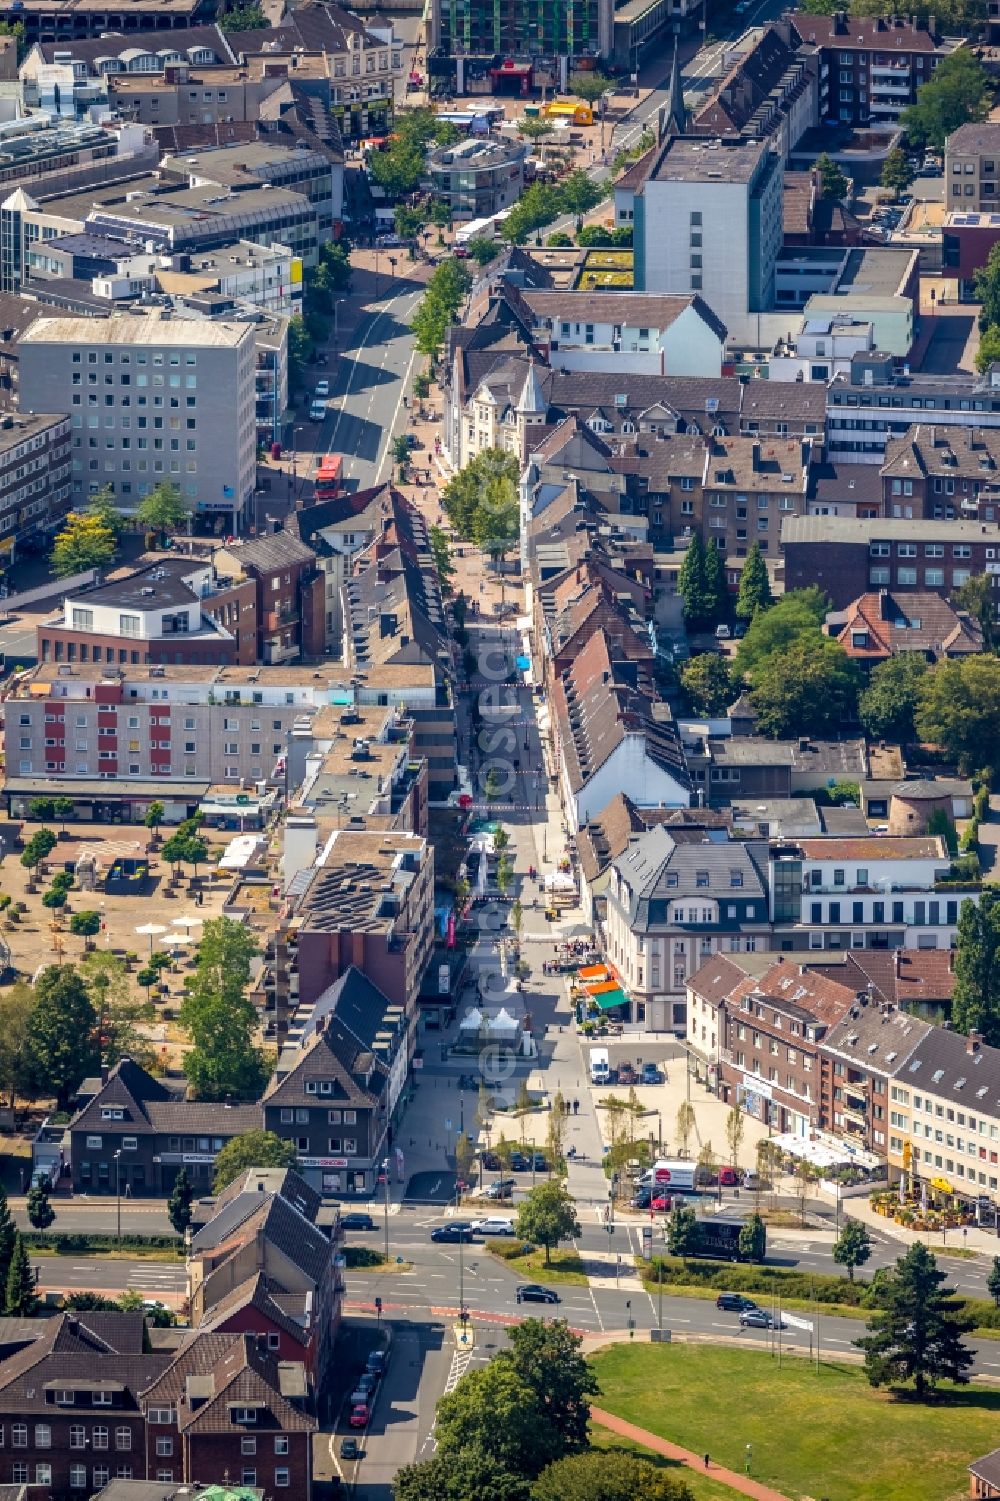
876,892
821,349
708,220
151,399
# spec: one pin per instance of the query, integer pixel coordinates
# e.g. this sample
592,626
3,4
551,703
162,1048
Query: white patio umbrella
150,930
187,921
175,940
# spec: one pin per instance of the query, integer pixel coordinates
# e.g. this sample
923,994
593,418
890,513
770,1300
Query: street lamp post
385,1180
118,1194
336,325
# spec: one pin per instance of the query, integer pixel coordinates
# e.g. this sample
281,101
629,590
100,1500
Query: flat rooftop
354,886
147,331
862,530
880,270
692,160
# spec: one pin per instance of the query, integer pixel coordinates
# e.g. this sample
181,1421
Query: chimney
104,1073
897,963
973,1042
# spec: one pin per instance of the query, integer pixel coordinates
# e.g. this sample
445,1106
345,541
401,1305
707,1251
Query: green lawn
565,1266
703,1487
824,1434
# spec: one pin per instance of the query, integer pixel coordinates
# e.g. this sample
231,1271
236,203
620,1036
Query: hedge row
78,1245
737,1277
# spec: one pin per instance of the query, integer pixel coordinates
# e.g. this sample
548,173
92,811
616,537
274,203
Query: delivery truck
600,1068
678,1177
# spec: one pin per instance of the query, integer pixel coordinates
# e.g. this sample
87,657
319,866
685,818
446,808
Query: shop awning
608,998
592,972
942,1185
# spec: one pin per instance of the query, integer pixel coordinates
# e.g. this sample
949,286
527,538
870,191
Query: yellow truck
576,111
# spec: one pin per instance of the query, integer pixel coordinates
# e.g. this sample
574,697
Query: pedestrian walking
706,1461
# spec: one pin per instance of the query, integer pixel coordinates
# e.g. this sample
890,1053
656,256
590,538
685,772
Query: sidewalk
741,1483
969,1238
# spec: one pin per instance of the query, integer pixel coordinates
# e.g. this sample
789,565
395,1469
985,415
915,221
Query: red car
359,1416
661,1204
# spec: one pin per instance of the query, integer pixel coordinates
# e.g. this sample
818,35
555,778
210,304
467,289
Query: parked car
661,1204
503,1188
532,1292
359,1416
626,1074
468,1081
538,1162
377,1362
493,1225
722,632
641,1198
356,1221
651,1074
322,390
490,1161
452,1233
759,1318
317,411
364,1386
734,1303
519,1162
349,1448
728,1177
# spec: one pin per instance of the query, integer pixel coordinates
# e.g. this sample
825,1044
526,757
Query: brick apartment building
174,610
850,556
972,168
290,595
870,67
942,473
34,476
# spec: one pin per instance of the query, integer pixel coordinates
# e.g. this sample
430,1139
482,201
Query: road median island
126,1248
563,1266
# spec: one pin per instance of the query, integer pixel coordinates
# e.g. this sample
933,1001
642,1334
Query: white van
317,411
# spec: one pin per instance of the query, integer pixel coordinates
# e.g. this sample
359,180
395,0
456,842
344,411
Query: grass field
703,1487
565,1266
825,1435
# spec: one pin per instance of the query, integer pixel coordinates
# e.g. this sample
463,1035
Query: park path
741,1483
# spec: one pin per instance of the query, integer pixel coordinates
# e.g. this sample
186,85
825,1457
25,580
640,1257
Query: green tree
42,808
833,181
797,614
40,1211
888,705
163,509
916,1332
21,1300
940,823
753,1239
578,194
716,589
959,709
180,1202
251,1150
609,1475
534,129
408,222
692,584
441,553
155,815
85,542
811,688
221,1019
336,262
537,206
496,521
17,1005
399,169
494,1409
897,174
853,1246
457,1477
8,1235
547,1215
975,1003
483,250
548,1358
63,808
594,236
438,308
735,1127
686,1125
755,585
301,349
988,352
975,596
708,683
957,92
61,1043
102,507
85,924
589,86
682,1230
122,1016
993,1281
489,480
248,17
38,848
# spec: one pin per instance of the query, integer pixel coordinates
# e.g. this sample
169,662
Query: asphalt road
154,1279
366,401
442,1273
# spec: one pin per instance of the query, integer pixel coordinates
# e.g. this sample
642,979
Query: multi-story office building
477,178
708,219
46,21
151,399
553,34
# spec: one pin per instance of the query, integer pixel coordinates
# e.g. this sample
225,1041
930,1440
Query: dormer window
244,1415
326,1086
112,1113
310,1086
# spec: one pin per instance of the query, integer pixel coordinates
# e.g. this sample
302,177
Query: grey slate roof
653,861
